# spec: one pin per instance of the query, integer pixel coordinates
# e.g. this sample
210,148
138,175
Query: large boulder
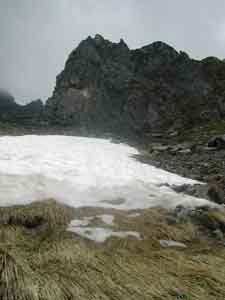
217,142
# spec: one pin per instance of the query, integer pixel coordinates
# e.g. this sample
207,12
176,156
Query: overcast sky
37,35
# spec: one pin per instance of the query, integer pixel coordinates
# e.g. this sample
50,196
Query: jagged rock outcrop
11,111
108,86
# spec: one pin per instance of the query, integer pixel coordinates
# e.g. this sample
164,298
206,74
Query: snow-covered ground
100,234
83,172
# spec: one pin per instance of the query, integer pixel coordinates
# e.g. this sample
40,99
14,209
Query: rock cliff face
27,114
106,85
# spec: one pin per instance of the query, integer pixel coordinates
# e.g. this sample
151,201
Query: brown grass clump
48,213
45,262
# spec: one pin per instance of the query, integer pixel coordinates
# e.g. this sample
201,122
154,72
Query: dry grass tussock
40,260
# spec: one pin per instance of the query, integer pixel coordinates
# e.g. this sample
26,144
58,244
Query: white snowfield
83,172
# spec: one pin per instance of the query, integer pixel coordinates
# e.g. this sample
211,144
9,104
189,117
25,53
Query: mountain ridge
109,86
11,111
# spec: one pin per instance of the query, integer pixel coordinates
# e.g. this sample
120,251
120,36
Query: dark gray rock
212,220
185,151
219,234
159,148
196,190
208,149
216,194
173,133
217,142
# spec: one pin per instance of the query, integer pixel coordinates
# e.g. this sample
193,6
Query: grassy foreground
40,260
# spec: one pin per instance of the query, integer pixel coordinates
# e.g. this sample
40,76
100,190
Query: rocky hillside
10,111
107,85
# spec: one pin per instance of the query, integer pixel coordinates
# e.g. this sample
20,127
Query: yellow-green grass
39,259
202,134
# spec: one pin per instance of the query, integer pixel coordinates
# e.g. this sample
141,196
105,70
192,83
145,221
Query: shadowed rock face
10,111
106,85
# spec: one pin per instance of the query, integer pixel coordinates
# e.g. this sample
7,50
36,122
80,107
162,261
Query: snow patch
79,223
100,235
107,219
84,172
167,243
135,215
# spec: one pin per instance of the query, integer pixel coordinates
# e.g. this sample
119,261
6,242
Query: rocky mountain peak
157,51
159,47
91,48
107,85
98,39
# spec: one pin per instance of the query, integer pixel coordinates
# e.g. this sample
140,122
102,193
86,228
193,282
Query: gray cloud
37,36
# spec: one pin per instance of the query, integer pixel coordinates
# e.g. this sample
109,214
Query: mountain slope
107,86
